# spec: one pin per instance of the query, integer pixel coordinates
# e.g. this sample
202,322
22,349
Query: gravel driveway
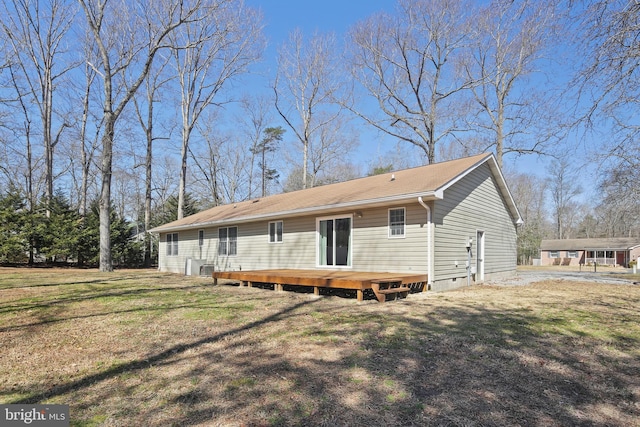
530,276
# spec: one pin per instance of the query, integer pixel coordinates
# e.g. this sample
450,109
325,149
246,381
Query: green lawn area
138,347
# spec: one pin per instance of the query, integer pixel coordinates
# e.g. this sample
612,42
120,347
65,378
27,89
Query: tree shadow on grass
478,367
104,280
84,295
149,361
329,362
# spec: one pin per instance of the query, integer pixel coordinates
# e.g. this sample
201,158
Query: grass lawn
149,349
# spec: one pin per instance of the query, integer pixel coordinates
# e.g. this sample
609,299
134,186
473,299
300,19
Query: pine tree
14,244
272,136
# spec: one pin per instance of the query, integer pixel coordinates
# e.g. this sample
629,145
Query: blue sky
283,16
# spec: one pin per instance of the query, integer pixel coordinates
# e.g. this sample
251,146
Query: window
572,254
201,238
228,241
275,232
554,254
172,244
396,222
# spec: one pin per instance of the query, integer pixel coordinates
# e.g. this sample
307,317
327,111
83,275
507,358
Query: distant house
615,251
451,221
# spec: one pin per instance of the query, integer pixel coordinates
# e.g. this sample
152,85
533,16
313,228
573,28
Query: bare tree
88,143
207,158
127,35
208,53
305,86
620,204
511,37
253,119
529,194
85,140
564,188
329,150
85,134
608,83
223,165
37,31
144,108
409,64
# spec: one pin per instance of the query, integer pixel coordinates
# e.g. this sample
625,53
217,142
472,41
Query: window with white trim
201,238
396,222
572,254
554,254
275,232
228,241
172,244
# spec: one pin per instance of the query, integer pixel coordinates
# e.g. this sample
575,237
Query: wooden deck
382,284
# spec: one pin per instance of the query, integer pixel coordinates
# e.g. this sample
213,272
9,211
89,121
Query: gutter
430,262
382,201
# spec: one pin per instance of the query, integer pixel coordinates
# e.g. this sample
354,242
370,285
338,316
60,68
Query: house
613,251
452,221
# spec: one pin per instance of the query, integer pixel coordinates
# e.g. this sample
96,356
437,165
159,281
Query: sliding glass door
334,241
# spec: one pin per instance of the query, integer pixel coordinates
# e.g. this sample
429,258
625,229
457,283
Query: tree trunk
305,156
183,172
47,105
30,197
500,135
147,194
105,194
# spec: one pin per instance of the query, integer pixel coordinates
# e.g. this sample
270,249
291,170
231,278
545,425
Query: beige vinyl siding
256,252
374,250
187,248
469,205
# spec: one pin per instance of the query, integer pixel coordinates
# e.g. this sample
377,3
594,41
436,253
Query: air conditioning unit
207,270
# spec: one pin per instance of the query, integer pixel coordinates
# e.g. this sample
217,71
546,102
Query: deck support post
250,284
316,291
278,287
360,294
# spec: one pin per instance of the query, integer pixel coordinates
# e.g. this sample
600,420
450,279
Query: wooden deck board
339,279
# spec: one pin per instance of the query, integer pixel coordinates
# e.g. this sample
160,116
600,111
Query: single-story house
618,251
453,221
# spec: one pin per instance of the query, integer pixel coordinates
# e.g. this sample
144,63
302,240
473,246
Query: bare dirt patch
144,348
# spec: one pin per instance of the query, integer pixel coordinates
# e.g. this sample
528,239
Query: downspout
429,245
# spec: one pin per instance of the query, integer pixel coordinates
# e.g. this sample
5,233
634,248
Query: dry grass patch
144,348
